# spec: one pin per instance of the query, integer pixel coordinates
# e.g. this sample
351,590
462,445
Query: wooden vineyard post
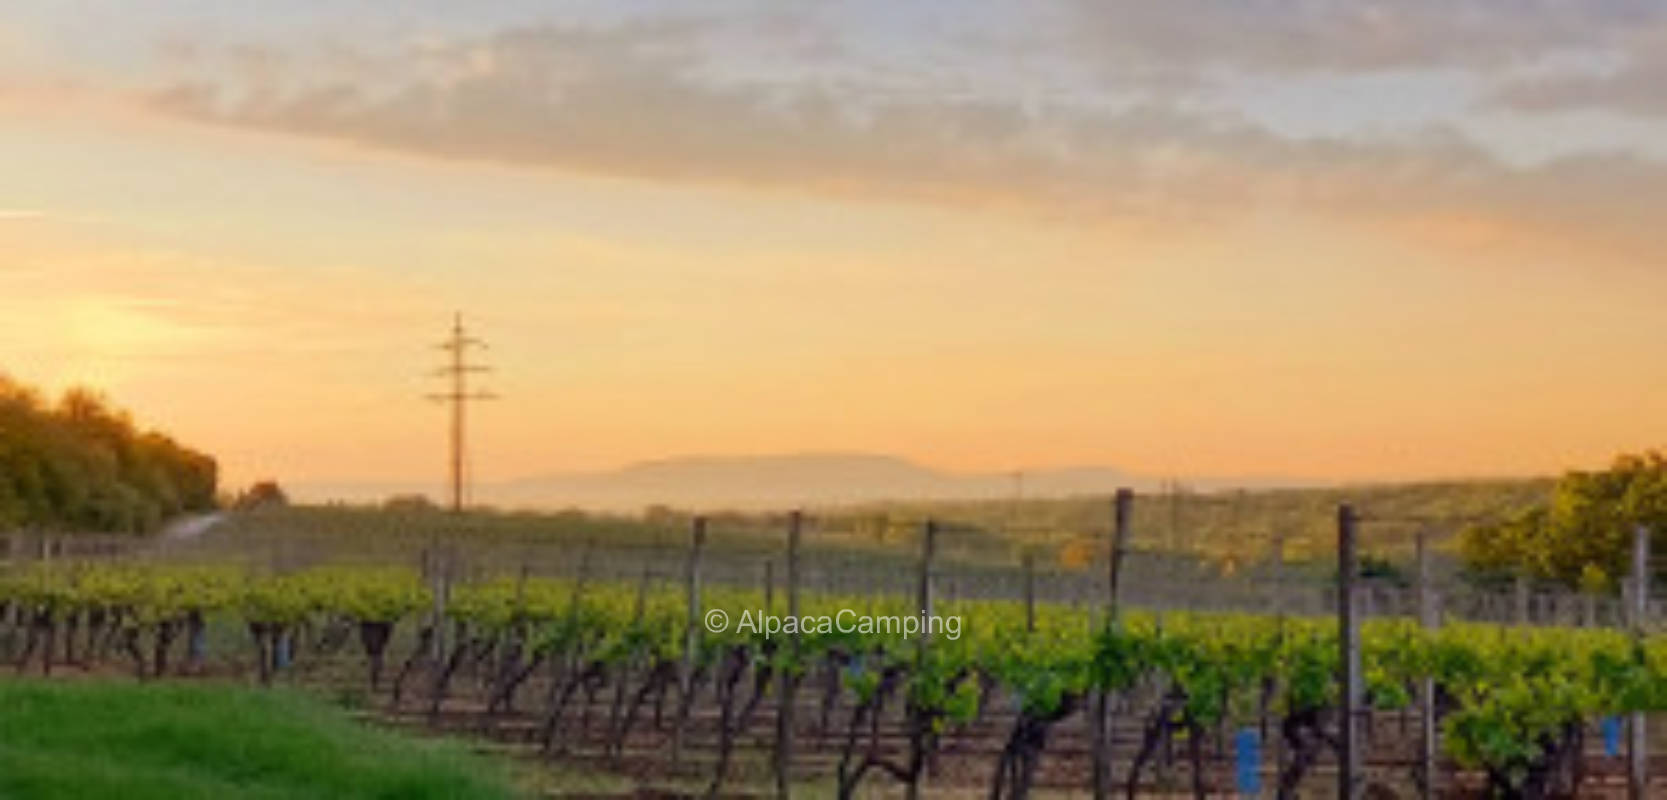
443,666
924,599
1430,619
442,586
1121,506
579,580
1638,751
928,554
1030,591
1279,612
575,598
1278,579
691,634
1350,772
787,681
622,680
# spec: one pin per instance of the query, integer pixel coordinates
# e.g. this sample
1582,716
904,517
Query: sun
118,327
106,339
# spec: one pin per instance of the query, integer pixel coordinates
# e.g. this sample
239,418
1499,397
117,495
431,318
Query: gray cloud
1352,35
1637,85
626,102
1531,51
631,102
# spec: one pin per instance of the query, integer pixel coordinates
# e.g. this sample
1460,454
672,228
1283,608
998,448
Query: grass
172,742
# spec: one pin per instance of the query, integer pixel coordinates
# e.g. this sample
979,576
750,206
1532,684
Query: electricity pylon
458,369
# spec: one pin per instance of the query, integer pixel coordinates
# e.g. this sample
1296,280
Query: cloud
1637,85
633,101
1349,35
627,102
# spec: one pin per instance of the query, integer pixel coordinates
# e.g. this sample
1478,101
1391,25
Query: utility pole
457,371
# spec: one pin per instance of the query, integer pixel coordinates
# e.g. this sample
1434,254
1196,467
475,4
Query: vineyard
1024,697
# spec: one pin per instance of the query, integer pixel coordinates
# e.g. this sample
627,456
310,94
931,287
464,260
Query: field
1219,532
833,401
1230,551
79,739
1231,525
606,674
571,640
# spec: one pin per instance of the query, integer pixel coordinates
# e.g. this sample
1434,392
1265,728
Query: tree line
82,465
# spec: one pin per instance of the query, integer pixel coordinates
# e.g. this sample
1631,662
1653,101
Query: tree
82,464
1581,536
263,494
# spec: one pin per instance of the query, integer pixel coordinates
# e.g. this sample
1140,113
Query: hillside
1229,524
1221,526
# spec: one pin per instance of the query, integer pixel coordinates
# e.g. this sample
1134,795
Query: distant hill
755,482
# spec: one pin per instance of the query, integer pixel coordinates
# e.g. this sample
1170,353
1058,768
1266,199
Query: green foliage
84,739
1513,693
82,465
146,594
1582,536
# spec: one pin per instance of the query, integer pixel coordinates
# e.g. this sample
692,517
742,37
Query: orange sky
1194,298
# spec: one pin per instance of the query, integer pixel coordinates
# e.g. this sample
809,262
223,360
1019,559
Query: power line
457,370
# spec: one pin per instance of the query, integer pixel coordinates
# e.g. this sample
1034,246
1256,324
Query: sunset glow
728,231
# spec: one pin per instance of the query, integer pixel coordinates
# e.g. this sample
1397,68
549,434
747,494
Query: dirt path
191,526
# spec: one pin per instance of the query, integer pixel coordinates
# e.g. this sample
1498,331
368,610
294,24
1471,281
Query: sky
1338,240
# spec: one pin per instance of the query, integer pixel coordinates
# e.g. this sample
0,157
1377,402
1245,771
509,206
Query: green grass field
172,742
